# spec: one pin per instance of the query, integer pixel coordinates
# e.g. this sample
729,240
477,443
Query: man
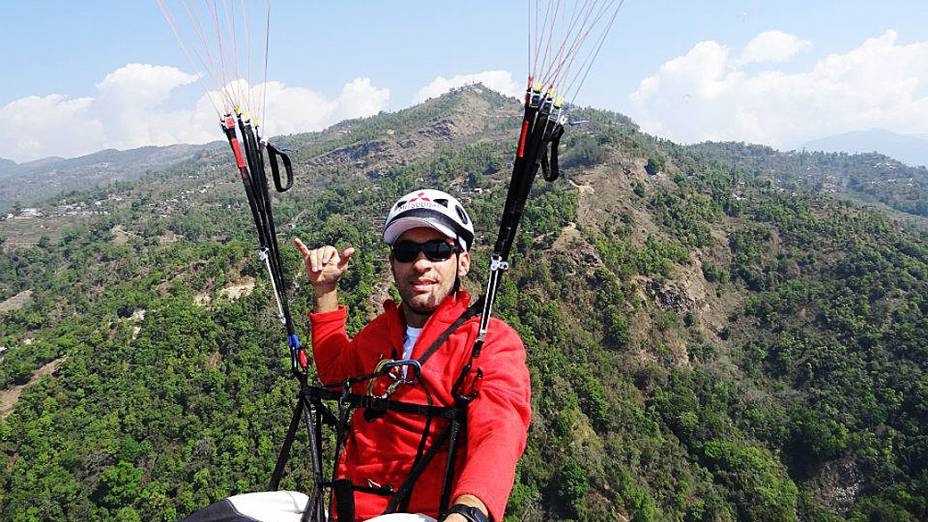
430,235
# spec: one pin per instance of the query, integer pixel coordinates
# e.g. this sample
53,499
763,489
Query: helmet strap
457,266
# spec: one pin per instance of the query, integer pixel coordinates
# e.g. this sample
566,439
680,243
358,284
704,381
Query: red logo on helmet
421,196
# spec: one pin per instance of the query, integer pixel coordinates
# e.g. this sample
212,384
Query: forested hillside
711,335
868,178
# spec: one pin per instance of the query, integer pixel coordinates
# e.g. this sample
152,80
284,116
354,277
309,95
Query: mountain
911,150
29,183
715,332
6,165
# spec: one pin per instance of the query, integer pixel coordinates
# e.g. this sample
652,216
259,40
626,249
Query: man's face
423,284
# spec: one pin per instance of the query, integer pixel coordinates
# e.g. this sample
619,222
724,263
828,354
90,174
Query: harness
316,413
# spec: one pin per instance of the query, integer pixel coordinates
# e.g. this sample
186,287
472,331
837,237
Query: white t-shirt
408,342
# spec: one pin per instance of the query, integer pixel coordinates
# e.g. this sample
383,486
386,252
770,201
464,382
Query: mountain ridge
909,149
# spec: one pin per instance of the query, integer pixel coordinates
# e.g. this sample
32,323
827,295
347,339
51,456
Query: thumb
346,255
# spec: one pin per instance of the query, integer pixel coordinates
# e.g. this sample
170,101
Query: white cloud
297,109
138,105
500,81
129,109
772,46
707,95
33,121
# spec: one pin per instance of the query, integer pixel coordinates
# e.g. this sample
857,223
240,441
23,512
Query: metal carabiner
385,367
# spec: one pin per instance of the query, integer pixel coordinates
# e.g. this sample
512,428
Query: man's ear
463,264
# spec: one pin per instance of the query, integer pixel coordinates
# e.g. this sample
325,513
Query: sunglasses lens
405,251
437,250
434,250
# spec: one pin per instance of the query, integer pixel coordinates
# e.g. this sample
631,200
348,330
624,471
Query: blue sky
771,72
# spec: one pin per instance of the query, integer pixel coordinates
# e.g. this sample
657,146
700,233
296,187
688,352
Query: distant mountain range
33,181
909,149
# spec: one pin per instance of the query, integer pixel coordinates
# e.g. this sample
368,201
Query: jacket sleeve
497,421
334,353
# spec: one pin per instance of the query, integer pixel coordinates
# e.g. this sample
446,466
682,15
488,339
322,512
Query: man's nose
422,263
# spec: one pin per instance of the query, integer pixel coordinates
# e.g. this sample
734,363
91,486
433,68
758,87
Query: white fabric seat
275,506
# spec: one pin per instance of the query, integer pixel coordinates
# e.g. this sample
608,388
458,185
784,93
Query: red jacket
381,450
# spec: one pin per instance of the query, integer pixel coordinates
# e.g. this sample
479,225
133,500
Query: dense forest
712,334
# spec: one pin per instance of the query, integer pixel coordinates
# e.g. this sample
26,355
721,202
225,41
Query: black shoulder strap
471,311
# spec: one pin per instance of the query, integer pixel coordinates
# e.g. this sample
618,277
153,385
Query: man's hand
325,266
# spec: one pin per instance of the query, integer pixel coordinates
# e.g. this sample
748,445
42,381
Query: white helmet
429,208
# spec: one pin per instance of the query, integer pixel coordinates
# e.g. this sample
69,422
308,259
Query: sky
84,76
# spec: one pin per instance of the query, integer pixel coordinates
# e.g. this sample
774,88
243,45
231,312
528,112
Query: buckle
390,368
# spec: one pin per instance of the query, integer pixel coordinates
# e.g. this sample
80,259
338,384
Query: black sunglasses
434,250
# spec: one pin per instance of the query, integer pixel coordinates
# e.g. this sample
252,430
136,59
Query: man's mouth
421,285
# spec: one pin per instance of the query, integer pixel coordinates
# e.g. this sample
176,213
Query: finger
328,253
314,260
346,255
301,247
